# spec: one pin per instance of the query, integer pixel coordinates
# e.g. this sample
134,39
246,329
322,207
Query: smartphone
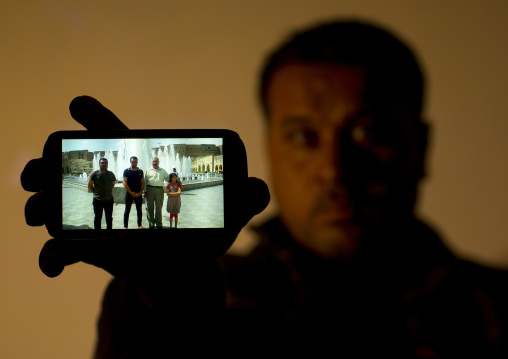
87,174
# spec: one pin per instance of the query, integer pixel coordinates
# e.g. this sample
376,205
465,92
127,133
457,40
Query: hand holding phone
139,256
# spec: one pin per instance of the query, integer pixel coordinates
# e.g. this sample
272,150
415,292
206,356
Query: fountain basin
119,189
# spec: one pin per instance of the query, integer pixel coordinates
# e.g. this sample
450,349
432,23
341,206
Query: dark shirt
102,185
404,295
133,179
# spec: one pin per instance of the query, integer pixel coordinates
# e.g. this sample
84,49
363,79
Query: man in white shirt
154,184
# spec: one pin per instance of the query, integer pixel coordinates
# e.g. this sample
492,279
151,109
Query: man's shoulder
487,279
110,174
94,174
129,172
268,240
428,258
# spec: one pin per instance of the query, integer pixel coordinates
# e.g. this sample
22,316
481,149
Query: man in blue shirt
134,184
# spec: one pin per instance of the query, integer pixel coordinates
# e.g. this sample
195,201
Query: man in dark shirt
134,184
101,184
346,269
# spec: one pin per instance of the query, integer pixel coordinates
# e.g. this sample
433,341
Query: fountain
118,154
119,160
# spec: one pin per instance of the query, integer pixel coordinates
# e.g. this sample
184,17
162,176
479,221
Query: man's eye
362,134
303,138
376,137
371,134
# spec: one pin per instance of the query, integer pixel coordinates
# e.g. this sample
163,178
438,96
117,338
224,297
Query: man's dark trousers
107,207
128,204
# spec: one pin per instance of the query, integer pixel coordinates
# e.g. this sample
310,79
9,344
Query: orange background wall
177,64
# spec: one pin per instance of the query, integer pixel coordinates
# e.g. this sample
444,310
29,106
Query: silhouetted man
346,268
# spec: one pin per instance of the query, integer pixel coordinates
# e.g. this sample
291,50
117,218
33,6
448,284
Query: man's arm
127,187
145,181
196,292
90,185
142,186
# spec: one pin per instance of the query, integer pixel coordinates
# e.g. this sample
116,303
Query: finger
255,197
30,177
258,195
34,210
93,115
128,258
56,254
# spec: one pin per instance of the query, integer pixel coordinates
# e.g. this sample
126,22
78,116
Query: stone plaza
201,208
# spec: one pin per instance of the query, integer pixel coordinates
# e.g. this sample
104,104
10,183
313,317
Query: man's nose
329,160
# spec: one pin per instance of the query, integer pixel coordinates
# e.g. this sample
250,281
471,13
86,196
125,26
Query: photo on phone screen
196,164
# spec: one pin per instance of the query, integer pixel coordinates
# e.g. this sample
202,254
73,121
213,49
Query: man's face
134,163
343,160
103,164
155,163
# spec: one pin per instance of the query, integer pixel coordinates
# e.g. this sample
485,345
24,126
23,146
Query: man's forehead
305,88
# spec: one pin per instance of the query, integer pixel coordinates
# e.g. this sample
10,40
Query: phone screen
172,183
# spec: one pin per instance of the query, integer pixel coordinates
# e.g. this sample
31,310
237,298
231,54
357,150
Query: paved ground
201,208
